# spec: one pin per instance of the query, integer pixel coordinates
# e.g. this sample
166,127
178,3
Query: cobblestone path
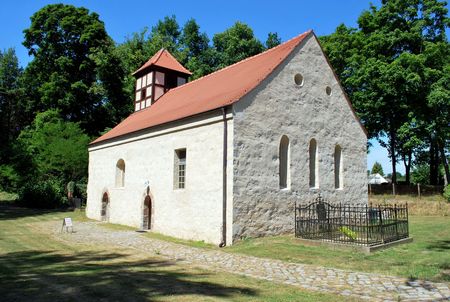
365,286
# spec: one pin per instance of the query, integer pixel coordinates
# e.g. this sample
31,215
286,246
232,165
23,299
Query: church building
228,155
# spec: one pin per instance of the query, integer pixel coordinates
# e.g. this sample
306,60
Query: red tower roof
163,58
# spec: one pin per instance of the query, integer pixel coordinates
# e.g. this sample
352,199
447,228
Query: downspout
224,180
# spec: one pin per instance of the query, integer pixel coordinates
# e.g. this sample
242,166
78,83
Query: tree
272,40
421,174
57,148
388,71
377,168
12,119
200,58
166,34
69,46
10,100
236,43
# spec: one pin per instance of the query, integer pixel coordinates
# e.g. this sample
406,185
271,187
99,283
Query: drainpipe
224,180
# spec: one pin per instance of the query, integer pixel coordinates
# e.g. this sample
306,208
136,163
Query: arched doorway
105,207
147,222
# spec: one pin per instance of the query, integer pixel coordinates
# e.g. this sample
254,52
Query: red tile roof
216,90
163,58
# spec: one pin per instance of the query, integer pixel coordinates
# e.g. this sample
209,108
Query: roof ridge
159,55
239,62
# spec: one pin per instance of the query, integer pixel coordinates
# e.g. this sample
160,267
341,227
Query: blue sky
121,18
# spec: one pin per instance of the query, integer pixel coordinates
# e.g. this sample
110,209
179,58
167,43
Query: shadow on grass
87,276
440,246
11,212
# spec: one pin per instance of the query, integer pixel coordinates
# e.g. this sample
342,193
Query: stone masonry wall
278,106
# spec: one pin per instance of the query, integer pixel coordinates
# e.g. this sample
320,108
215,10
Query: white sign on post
67,223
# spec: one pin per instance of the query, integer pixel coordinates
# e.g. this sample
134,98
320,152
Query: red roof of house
216,90
163,58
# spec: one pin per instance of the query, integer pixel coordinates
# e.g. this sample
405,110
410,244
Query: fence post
295,218
418,190
407,220
370,189
396,222
380,215
367,224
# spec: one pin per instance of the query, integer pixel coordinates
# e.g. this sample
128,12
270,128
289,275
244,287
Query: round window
298,79
328,90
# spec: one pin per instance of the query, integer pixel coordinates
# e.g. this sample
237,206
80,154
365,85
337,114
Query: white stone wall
280,107
191,213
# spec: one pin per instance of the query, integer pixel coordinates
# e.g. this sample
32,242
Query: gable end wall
279,107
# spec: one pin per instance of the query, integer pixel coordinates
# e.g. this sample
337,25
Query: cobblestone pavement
365,286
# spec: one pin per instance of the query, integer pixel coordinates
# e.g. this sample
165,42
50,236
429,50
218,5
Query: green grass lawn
34,266
427,257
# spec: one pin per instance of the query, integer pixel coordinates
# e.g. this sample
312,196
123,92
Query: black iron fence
356,224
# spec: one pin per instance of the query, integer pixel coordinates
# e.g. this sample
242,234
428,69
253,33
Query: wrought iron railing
356,224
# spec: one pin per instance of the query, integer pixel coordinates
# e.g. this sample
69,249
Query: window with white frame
180,169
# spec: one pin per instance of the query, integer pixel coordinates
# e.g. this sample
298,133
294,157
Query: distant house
377,179
227,156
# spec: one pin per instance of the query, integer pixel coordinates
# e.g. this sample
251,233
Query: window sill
285,189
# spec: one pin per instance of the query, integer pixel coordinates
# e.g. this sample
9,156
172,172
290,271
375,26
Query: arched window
313,164
338,168
120,173
284,165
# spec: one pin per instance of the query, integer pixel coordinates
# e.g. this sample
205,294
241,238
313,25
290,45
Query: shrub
348,232
447,193
46,194
9,178
80,190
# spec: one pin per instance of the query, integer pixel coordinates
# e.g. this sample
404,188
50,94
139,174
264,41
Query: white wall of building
277,107
192,213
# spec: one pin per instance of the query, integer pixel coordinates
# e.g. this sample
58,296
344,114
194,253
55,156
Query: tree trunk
408,171
444,162
434,163
407,163
392,141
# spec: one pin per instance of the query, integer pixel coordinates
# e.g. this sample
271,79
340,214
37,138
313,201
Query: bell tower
159,74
